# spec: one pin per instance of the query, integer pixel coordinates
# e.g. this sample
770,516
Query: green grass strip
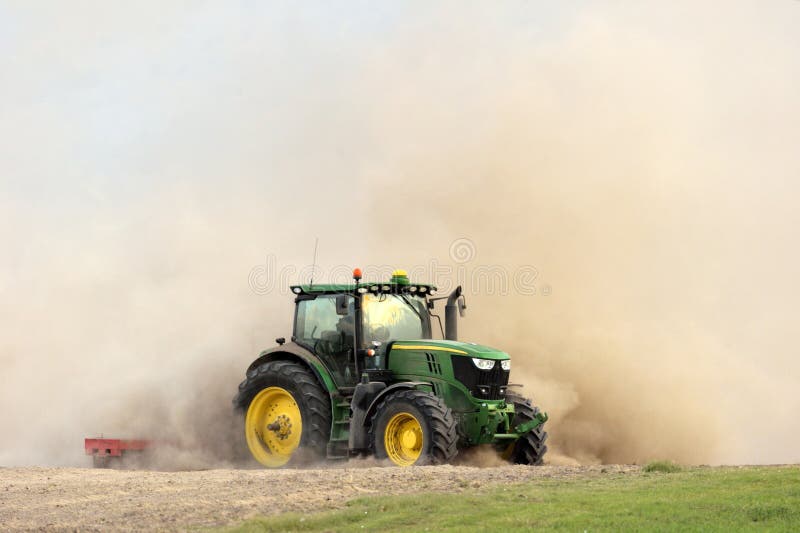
664,499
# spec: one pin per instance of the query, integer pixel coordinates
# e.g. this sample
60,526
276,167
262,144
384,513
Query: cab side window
328,334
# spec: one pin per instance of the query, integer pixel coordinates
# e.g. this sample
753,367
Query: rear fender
295,352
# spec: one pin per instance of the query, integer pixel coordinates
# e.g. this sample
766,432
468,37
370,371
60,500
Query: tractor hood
457,347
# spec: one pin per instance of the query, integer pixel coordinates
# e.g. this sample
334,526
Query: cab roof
399,283
365,287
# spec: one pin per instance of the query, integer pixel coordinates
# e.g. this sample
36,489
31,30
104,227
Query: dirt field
87,499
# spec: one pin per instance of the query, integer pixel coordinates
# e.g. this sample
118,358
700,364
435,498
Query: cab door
325,325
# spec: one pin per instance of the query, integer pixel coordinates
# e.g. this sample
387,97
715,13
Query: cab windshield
390,317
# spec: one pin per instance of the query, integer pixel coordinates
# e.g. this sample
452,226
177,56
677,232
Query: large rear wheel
288,414
530,448
412,427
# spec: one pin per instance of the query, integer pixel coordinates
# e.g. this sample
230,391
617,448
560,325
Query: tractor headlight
506,364
483,364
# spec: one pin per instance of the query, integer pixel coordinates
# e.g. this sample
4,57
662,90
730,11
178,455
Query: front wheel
530,448
412,427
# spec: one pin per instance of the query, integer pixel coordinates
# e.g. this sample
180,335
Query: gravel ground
89,499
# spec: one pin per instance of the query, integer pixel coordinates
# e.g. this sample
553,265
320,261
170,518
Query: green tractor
363,375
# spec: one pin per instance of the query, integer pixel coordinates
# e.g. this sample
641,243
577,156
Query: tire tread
531,447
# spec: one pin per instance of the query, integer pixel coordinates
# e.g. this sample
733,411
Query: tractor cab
351,327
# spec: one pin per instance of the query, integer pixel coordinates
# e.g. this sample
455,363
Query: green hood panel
457,347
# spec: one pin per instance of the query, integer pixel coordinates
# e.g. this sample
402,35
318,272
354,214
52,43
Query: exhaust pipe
451,315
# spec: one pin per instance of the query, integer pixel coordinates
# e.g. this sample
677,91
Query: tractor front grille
483,384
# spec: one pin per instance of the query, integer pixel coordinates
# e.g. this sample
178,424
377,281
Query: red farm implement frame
103,450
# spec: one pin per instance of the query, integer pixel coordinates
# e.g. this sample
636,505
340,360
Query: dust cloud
643,163
642,160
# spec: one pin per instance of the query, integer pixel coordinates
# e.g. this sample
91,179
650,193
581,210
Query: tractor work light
413,288
422,290
373,288
506,364
296,290
483,364
386,288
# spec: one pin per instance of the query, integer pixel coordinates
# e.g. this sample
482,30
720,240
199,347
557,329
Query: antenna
314,262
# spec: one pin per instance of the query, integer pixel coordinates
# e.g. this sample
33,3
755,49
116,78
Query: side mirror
341,304
462,306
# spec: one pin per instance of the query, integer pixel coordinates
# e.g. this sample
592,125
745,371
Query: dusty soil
94,499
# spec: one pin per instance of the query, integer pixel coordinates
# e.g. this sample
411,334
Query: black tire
439,435
531,447
312,400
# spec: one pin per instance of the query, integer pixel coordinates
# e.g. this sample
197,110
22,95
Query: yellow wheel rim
273,427
403,439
